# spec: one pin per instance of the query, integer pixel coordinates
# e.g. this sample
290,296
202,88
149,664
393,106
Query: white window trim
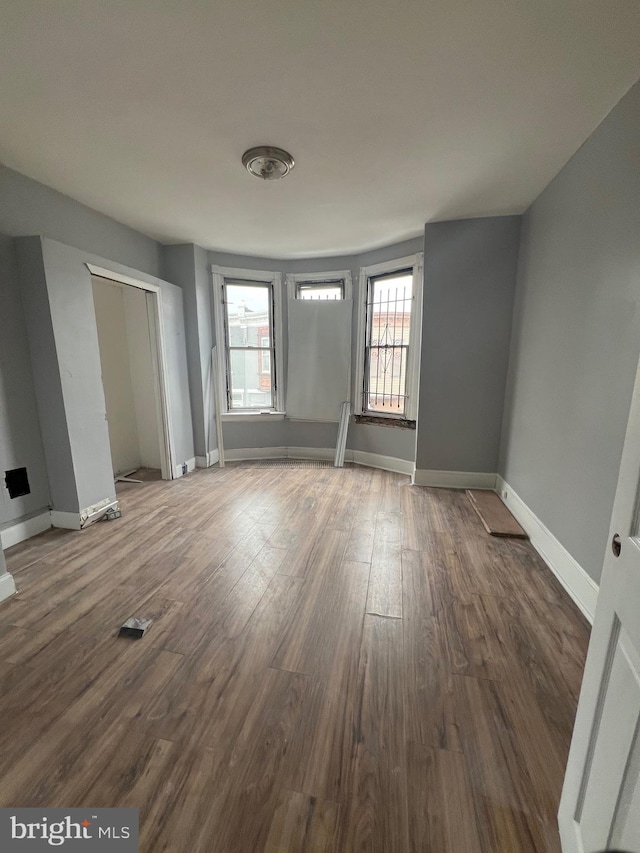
414,262
293,279
219,274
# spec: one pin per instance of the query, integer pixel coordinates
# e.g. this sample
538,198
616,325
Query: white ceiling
396,111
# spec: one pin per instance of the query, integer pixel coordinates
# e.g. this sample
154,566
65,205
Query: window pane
388,333
250,383
321,290
248,310
387,380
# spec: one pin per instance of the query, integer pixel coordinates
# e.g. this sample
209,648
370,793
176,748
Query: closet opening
133,377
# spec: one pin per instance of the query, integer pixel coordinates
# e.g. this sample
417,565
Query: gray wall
469,279
61,322
576,338
187,266
20,441
46,376
373,439
27,207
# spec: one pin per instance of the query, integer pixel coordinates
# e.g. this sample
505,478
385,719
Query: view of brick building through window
389,302
248,311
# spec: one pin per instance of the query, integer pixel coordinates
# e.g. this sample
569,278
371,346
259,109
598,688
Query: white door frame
609,774
158,360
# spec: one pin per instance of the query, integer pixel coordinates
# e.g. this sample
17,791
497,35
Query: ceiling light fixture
268,163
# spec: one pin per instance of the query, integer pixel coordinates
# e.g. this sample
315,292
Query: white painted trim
244,274
293,278
82,519
207,461
377,460
22,530
191,466
361,319
454,479
582,589
324,453
66,520
102,272
251,417
311,421
219,274
160,370
97,510
359,457
393,264
158,358
416,264
241,453
7,586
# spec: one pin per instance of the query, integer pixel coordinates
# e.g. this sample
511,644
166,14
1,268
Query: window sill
381,420
252,417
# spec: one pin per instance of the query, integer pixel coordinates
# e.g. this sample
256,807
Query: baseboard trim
82,519
322,453
178,470
454,479
582,589
239,454
7,586
377,460
360,457
25,529
66,520
207,461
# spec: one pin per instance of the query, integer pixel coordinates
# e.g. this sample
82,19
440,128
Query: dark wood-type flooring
339,661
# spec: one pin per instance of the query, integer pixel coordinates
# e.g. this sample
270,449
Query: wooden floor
339,661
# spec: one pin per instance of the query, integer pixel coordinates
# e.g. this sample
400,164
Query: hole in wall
17,482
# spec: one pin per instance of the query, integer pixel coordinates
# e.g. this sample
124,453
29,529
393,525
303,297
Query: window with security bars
250,348
388,331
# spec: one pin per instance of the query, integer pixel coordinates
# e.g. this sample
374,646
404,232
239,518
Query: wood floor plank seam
287,696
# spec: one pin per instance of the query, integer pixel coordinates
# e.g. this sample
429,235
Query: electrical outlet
504,494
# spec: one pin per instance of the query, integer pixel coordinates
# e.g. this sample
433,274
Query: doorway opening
133,375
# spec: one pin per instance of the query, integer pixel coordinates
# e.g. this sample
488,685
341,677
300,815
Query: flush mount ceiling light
268,163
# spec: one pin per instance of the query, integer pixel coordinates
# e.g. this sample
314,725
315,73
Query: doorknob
616,545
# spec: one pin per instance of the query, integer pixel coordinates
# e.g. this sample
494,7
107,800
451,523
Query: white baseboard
242,453
67,520
377,460
7,586
324,453
360,457
582,589
82,519
22,530
454,479
207,461
178,470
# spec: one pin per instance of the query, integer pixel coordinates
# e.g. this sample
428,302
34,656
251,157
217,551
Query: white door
600,805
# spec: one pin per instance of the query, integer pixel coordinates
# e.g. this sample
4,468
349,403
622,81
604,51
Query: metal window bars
387,344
